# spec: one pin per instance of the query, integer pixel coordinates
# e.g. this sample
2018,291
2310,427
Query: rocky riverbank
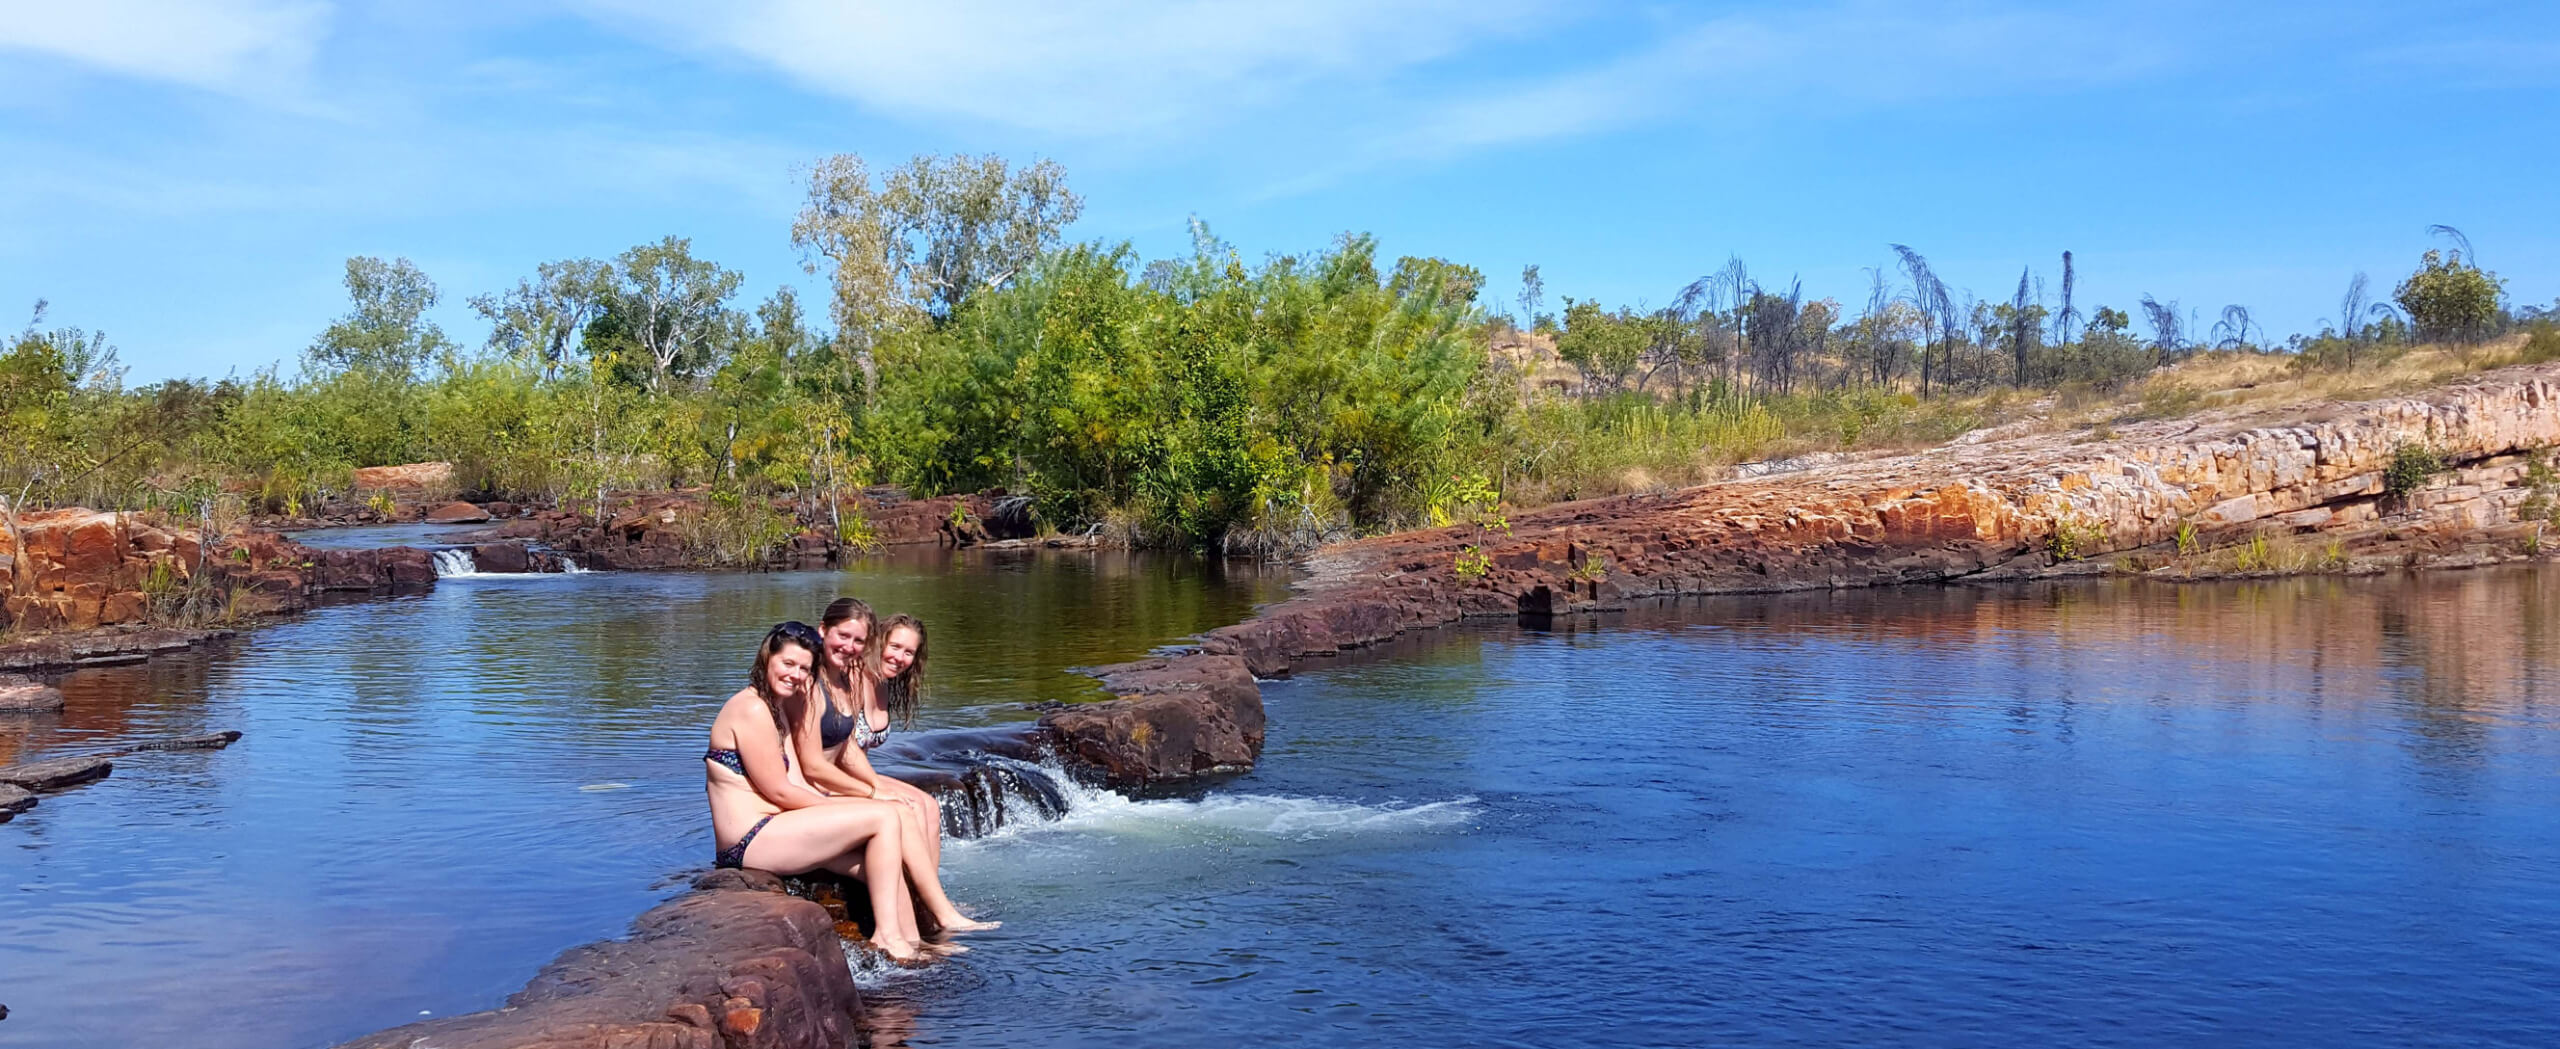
2448,478
80,586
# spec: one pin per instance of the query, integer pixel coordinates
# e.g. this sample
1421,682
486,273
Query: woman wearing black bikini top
765,815
859,693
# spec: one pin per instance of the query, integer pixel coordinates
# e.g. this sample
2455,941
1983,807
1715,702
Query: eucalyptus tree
385,331
1533,296
2450,298
2022,324
910,247
673,306
540,319
2067,316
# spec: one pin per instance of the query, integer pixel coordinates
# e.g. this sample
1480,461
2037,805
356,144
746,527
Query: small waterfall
995,791
450,563
569,567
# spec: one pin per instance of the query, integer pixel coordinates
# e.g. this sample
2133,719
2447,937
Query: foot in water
902,952
959,924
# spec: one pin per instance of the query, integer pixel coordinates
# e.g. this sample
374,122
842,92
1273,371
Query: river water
2311,812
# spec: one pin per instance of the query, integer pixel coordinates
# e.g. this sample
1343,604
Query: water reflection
437,792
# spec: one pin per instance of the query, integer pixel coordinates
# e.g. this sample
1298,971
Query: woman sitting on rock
764,814
858,693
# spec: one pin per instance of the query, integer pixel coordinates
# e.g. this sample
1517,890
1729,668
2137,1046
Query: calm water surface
2309,813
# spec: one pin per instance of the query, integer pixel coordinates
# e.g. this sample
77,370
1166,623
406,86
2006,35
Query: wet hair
783,635
898,695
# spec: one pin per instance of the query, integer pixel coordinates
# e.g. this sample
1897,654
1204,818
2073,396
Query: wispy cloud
1087,68
232,46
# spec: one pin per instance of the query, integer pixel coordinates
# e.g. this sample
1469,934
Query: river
2313,812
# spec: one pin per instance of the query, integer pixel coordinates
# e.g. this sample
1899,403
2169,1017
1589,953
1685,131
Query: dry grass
2257,382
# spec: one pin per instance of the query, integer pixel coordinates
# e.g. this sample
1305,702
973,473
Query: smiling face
898,650
845,642
786,671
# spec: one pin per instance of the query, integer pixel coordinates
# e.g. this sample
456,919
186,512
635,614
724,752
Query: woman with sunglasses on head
765,815
861,687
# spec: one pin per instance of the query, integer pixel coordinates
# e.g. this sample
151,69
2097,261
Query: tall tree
1533,296
2022,324
927,235
540,318
673,304
2063,321
1929,295
385,330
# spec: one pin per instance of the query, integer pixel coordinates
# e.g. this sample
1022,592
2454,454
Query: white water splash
1095,810
455,564
569,567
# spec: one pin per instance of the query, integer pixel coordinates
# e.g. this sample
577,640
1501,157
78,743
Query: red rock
130,606
665,984
457,513
411,477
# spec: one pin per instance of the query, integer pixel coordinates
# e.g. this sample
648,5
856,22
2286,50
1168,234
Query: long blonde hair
899,695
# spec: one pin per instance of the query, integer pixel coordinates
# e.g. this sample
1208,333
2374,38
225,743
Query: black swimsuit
836,726
736,855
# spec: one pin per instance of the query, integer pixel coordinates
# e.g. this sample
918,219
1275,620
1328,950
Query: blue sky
189,176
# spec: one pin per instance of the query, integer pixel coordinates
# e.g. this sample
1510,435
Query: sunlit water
2309,813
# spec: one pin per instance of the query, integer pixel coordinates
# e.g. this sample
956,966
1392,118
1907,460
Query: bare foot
955,923
903,952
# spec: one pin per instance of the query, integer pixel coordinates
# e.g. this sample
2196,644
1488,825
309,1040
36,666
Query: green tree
2451,300
1605,346
540,319
386,330
927,235
673,308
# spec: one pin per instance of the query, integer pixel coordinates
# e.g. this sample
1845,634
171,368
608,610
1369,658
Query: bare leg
834,834
925,877
928,810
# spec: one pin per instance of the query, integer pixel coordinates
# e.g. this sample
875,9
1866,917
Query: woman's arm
760,750
855,764
810,744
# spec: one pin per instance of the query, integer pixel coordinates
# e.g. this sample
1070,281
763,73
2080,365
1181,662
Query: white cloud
238,46
1079,67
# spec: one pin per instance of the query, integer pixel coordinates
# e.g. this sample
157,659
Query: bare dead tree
2069,316
2232,331
2022,328
1929,295
2168,330
2461,244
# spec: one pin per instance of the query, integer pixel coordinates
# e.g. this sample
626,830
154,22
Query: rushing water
2318,812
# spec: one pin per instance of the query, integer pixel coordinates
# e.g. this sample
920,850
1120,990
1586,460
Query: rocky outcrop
75,570
1176,718
411,479
457,513
2019,507
2014,508
735,964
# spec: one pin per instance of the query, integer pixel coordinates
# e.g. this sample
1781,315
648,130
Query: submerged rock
56,773
735,964
20,695
202,741
14,800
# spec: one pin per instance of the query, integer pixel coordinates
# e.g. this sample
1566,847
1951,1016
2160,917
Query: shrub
2412,466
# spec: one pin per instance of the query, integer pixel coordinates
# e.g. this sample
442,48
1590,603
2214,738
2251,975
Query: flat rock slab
14,800
204,741
24,697
55,773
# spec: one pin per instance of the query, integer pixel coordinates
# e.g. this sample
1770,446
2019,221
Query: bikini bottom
736,855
